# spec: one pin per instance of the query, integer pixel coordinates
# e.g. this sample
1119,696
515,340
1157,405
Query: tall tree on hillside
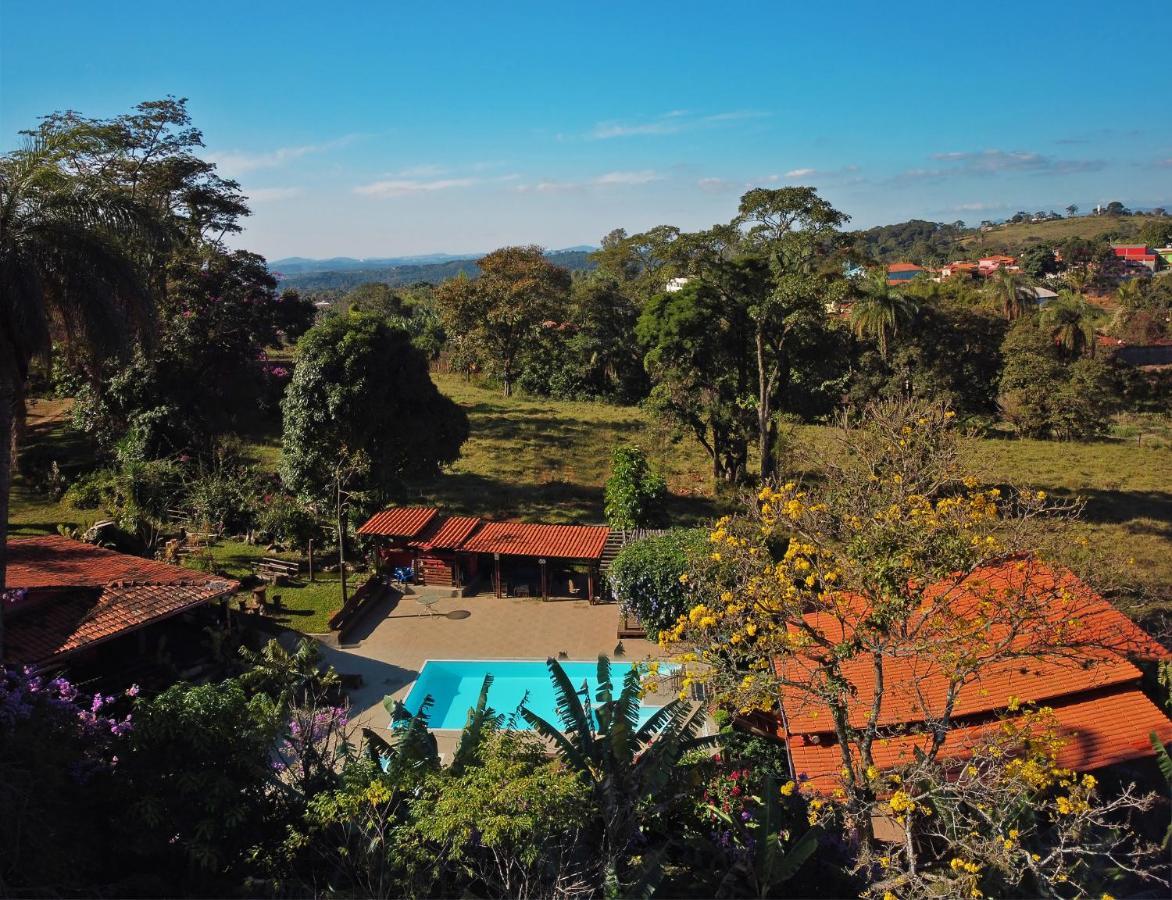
495,314
66,275
1013,291
880,310
698,357
362,418
795,233
1072,210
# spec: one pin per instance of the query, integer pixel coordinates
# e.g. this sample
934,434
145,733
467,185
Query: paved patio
391,643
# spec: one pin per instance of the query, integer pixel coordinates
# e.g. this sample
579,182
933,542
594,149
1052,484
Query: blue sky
393,128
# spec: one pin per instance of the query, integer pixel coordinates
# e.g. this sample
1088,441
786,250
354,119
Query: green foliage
200,771
645,576
634,493
913,241
624,764
492,318
1042,397
361,392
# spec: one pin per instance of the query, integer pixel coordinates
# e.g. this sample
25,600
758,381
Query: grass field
1020,235
545,460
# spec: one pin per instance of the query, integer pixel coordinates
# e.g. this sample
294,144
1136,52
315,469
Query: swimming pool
454,685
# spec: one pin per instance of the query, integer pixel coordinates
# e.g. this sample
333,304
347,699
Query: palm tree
1129,294
66,278
1014,291
626,764
1071,322
880,311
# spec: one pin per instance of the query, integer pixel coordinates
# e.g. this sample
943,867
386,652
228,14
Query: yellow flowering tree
864,607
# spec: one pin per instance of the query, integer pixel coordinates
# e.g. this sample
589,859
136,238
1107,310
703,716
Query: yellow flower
787,789
1041,495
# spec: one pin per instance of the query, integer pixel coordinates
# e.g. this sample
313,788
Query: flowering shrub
645,577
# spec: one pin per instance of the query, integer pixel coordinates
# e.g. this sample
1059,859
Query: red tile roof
56,561
1099,732
557,541
1095,642
1093,655
399,521
80,595
904,267
446,533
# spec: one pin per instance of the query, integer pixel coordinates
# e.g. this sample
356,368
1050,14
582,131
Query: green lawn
546,460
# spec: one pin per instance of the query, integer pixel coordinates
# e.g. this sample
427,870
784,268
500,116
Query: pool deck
393,640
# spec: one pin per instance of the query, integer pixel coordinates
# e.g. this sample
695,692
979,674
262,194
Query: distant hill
345,273
926,243
1012,238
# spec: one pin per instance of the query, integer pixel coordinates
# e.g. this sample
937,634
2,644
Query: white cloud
427,170
401,187
643,176
800,173
239,162
996,162
716,185
273,194
669,123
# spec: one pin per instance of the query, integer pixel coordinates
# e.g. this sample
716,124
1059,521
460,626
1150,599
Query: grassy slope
546,460
1021,235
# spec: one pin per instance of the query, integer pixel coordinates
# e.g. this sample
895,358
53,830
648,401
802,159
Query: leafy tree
1038,262
645,577
495,315
67,276
604,314
697,350
512,824
640,263
887,553
200,770
634,494
362,417
795,233
625,764
1072,210
880,310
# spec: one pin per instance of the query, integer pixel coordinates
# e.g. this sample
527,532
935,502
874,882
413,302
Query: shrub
646,577
634,493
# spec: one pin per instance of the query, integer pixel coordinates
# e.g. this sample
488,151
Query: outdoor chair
572,588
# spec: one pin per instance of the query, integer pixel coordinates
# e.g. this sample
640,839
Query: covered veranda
553,562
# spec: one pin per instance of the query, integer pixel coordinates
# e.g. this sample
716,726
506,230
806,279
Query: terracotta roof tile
80,595
1100,732
56,561
399,521
446,533
556,541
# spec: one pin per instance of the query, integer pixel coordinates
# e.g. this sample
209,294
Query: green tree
67,277
880,310
495,315
1013,292
625,764
362,417
1072,210
634,493
201,772
795,233
698,356
1071,321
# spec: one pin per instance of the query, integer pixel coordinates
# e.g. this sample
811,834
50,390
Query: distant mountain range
343,273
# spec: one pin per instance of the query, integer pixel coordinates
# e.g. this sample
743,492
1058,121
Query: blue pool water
455,685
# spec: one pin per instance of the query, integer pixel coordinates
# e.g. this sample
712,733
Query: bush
645,577
634,493
283,519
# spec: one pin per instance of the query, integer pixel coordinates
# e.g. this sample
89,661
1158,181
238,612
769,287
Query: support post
544,581
496,573
590,585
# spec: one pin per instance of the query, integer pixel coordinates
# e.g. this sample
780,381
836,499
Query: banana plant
412,747
629,767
